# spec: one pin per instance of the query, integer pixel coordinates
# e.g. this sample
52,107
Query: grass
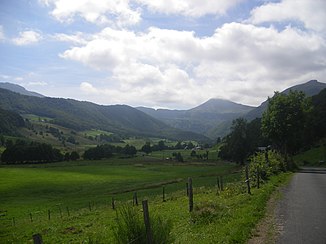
233,218
312,157
25,188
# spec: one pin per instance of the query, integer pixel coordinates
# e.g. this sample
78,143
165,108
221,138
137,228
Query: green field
79,199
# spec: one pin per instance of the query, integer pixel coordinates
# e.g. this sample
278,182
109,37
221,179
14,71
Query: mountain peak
222,106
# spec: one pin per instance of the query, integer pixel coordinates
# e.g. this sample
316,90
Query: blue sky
163,54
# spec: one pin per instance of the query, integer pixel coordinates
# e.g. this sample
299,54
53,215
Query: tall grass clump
130,227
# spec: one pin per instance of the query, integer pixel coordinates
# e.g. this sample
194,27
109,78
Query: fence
220,182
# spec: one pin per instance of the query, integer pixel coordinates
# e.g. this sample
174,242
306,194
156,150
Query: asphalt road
301,213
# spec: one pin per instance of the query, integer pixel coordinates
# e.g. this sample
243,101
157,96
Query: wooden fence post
31,217
222,183
49,214
135,199
37,238
60,212
163,194
113,203
191,198
258,178
187,189
247,179
149,236
218,182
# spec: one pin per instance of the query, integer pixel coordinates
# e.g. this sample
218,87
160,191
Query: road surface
301,214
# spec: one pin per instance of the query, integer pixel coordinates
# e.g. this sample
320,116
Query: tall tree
236,145
285,120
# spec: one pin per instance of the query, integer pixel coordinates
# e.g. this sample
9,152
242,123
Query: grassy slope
312,157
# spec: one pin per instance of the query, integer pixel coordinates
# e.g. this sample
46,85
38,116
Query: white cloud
241,62
192,8
116,12
27,37
88,88
77,38
2,34
310,12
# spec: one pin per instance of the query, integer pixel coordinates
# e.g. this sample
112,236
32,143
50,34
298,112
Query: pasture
70,202
30,188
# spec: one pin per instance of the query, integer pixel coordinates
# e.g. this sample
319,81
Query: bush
268,164
130,227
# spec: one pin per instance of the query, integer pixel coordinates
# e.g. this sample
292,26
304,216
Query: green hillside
80,116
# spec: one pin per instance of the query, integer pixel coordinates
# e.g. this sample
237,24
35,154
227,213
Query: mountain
18,89
201,119
10,122
76,115
310,88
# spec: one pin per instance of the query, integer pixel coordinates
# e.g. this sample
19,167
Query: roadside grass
235,216
312,157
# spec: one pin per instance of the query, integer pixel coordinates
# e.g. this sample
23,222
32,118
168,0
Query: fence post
37,238
191,198
135,199
163,194
49,214
218,182
258,178
247,179
60,212
222,185
31,217
187,189
113,203
149,236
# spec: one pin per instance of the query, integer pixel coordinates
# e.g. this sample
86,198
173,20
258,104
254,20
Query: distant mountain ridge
19,89
310,88
120,119
201,119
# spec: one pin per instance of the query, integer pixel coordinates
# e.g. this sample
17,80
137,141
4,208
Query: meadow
78,197
35,189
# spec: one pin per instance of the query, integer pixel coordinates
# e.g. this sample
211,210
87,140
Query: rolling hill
120,119
201,119
18,89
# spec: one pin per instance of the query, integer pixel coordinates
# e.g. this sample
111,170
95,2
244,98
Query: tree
129,150
146,148
236,144
285,120
74,156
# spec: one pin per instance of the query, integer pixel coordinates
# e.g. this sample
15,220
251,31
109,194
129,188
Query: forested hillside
120,119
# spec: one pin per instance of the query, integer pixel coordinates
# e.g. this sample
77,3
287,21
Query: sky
172,54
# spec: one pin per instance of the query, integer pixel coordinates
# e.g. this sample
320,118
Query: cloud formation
115,12
311,13
242,62
27,37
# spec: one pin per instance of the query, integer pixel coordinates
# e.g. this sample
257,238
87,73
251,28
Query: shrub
268,164
130,227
